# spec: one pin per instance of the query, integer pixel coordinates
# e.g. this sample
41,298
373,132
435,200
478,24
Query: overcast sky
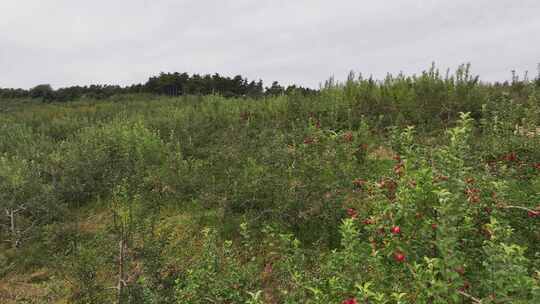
75,42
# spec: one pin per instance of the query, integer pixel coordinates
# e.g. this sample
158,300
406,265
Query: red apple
350,301
348,137
399,256
533,214
352,213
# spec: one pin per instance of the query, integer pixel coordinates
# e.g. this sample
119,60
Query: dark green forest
169,84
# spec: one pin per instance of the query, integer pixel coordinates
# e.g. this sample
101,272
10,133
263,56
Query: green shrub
100,157
26,201
216,276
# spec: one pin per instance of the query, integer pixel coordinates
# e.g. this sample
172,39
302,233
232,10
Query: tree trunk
12,228
121,281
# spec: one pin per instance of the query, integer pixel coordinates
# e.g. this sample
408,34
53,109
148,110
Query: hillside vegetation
421,189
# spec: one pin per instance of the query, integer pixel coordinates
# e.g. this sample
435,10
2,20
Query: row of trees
178,84
171,84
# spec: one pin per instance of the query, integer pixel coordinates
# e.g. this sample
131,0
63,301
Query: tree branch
28,229
475,300
516,207
21,208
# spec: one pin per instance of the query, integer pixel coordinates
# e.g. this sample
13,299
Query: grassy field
408,190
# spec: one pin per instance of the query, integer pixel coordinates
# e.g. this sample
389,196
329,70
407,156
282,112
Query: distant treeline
171,84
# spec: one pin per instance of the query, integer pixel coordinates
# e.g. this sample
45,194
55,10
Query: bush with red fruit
442,252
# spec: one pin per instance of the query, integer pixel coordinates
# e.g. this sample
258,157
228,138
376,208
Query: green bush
98,158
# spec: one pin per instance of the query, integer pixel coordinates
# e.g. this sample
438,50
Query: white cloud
304,41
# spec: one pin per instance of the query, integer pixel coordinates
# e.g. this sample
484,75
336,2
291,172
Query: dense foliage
170,84
421,189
